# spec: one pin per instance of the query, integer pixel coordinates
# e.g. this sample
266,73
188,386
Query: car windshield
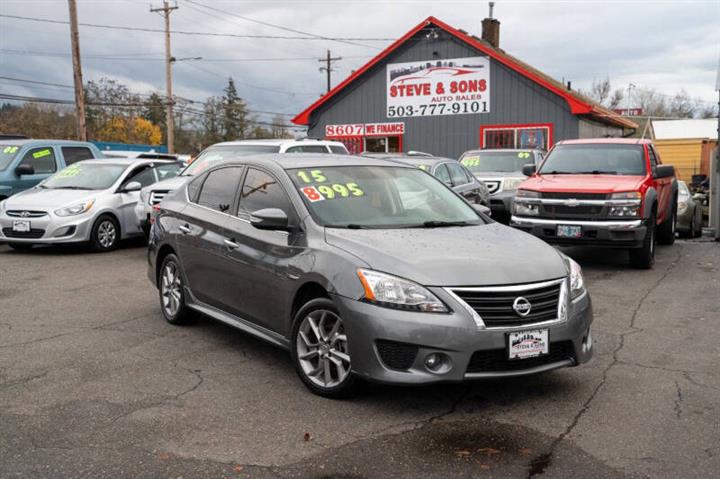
170,170
380,197
85,176
217,153
7,153
496,161
598,158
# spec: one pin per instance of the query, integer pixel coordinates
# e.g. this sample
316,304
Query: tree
37,120
235,121
212,120
154,110
600,92
145,132
106,100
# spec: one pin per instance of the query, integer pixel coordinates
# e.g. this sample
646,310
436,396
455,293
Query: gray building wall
514,99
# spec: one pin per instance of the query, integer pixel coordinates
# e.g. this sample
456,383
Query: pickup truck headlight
577,283
393,292
75,209
521,207
511,184
629,206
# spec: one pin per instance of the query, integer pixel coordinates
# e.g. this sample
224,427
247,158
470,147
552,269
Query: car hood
169,184
47,199
482,255
583,183
485,175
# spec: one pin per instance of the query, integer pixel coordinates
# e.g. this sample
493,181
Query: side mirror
529,169
132,186
270,219
24,170
664,171
482,209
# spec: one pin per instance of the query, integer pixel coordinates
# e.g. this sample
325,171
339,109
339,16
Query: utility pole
166,10
328,67
77,74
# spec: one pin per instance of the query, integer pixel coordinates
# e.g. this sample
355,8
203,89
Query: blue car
25,163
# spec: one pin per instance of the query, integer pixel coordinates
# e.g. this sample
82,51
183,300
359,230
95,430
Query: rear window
598,158
339,150
218,190
73,154
215,154
307,149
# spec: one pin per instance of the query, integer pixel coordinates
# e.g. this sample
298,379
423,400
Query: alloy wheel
106,233
322,348
170,287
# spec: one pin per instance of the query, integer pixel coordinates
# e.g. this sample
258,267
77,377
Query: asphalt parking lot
94,383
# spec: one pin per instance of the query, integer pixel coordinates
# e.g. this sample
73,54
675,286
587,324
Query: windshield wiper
598,172
71,188
442,224
556,172
350,226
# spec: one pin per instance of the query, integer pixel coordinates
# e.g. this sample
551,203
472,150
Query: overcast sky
664,45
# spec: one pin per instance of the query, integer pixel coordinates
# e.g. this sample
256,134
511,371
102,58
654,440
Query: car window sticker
42,153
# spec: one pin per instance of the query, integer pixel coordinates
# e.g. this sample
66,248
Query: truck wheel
644,257
666,231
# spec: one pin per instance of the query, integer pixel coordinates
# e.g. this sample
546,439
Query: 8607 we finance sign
456,86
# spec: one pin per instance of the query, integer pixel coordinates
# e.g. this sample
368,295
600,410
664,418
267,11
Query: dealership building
441,90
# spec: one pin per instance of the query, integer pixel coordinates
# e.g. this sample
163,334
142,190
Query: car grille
32,234
157,196
26,213
496,360
495,306
577,196
562,211
492,186
396,355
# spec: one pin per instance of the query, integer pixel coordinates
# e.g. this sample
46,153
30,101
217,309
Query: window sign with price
456,86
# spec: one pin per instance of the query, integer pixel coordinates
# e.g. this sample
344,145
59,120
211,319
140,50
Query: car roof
277,142
126,161
608,141
420,160
511,150
311,160
42,141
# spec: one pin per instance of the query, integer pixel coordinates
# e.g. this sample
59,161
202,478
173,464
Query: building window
516,136
382,144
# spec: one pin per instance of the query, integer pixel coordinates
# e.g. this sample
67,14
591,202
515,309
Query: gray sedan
689,213
89,201
366,269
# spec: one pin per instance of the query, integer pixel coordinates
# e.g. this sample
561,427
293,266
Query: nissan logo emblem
522,306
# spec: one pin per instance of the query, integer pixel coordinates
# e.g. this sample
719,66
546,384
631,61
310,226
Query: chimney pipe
491,29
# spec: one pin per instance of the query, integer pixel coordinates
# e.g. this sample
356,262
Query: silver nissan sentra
89,201
366,269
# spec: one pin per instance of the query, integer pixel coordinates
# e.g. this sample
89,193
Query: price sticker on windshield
471,161
69,172
332,191
41,153
10,149
524,154
312,194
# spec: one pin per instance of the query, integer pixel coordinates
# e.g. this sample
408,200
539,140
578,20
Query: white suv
155,193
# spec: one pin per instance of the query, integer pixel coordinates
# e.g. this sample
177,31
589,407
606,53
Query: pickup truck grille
492,185
562,211
577,196
157,196
495,306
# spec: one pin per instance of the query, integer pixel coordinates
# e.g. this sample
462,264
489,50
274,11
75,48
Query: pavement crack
200,378
678,400
23,381
539,464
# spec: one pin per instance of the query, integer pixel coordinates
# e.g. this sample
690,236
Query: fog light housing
437,363
65,231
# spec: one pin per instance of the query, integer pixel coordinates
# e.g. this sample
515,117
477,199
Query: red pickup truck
606,192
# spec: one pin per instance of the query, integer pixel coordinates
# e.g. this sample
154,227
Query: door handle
231,244
185,229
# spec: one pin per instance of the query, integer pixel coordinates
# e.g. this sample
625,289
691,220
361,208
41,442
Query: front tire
320,350
644,257
105,235
172,292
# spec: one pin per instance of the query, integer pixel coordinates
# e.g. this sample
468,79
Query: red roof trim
577,106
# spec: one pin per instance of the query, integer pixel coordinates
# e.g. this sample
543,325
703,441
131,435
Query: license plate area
528,344
21,226
569,231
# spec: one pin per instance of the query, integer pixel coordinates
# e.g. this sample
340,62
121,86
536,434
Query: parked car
154,194
139,155
501,171
25,163
447,170
333,258
605,192
689,212
89,201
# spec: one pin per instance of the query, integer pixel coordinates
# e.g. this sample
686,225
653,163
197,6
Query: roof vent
491,29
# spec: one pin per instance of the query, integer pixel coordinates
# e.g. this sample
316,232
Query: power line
184,32
279,27
35,82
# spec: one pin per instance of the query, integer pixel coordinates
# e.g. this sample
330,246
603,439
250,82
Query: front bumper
614,234
501,205
48,229
455,335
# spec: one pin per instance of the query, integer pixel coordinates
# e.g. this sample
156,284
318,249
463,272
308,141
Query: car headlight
75,209
628,204
577,283
522,207
393,292
2,207
512,183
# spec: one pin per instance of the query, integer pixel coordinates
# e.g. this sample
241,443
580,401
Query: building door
383,144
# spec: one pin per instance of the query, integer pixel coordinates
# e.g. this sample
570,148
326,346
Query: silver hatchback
90,201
